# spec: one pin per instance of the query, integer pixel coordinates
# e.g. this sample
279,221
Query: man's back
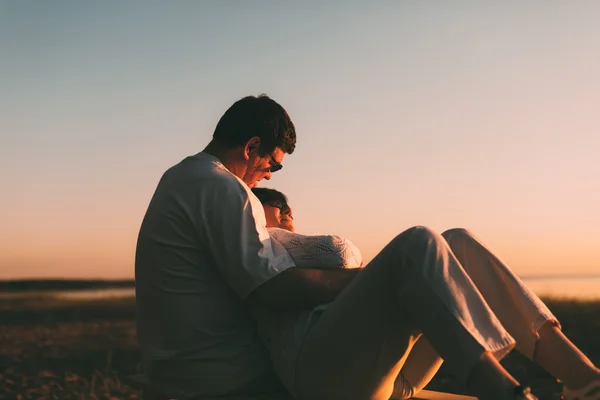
194,332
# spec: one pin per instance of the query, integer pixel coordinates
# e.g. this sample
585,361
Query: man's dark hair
271,197
257,116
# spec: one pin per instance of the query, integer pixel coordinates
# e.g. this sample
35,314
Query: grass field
59,349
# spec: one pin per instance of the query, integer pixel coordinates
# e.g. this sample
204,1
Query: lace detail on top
323,251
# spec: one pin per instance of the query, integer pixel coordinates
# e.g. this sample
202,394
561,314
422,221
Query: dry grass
57,349
68,350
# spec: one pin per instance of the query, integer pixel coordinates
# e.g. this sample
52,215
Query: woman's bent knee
457,232
411,245
417,236
422,232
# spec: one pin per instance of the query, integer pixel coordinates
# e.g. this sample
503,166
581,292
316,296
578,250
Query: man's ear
251,146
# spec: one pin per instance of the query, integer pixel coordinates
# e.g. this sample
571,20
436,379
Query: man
204,258
202,249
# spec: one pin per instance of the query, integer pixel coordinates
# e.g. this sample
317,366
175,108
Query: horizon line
131,279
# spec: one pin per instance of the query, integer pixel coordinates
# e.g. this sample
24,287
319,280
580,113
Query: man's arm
301,288
257,268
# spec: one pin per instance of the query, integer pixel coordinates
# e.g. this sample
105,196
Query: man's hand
301,288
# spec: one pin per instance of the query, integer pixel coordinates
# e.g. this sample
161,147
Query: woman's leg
559,356
423,362
524,315
415,285
421,365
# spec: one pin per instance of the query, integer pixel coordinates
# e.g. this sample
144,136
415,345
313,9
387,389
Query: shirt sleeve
242,248
322,251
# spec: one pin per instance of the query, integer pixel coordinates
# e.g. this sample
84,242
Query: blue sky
442,114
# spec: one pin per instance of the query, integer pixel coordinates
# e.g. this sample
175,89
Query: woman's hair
271,197
257,116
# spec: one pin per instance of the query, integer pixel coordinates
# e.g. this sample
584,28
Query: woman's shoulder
318,251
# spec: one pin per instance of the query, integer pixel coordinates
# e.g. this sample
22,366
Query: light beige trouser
417,286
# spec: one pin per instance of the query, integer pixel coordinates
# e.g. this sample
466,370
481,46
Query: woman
514,305
324,251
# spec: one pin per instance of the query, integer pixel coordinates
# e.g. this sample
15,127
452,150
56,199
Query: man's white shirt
202,248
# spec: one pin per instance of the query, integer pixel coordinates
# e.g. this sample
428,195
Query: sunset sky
443,114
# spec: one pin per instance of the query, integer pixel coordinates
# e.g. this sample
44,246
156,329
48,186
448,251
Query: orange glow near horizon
108,250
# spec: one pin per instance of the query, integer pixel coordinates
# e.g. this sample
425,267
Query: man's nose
268,175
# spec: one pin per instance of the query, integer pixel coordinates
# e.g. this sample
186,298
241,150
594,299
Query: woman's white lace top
323,251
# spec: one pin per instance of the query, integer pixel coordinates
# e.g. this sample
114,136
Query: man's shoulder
205,173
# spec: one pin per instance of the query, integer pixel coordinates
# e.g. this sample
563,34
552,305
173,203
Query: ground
82,350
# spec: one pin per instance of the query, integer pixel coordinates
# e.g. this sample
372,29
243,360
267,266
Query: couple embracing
233,303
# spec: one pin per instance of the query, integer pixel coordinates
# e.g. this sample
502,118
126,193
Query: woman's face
279,218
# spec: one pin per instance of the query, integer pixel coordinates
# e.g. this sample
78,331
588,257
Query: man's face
259,167
279,218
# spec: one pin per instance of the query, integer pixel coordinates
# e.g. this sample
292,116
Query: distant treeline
63,284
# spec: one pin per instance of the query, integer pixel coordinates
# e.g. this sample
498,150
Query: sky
443,114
